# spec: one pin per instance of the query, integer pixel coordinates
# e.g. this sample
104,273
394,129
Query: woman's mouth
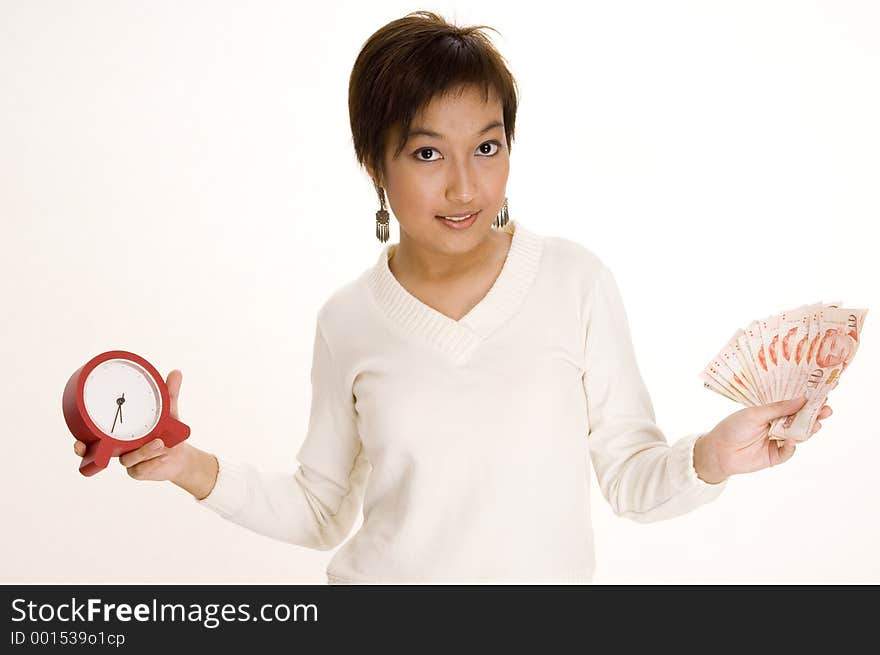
459,223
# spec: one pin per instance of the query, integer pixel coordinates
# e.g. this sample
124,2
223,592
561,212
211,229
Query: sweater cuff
686,473
230,489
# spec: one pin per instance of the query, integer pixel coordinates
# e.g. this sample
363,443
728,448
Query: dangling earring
503,217
382,227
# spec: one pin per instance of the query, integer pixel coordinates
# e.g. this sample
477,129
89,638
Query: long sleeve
641,476
315,506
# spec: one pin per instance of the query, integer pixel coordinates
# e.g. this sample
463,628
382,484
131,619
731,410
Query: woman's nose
461,186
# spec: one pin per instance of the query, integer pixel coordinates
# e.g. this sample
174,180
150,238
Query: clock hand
119,402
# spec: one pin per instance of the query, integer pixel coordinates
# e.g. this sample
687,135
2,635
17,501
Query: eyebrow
421,131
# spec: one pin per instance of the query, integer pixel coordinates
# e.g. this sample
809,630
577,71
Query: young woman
464,383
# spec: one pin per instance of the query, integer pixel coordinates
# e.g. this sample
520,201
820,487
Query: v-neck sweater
468,443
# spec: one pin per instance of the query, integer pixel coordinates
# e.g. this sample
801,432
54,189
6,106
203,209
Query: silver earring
503,217
382,222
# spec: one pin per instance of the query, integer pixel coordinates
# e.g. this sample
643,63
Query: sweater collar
458,339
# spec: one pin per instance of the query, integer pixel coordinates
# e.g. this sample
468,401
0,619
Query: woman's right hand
156,462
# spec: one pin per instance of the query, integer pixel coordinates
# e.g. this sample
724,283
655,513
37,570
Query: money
798,352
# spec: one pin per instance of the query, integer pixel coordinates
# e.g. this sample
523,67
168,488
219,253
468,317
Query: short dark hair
408,62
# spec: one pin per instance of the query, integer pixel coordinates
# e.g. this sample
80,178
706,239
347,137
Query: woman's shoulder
571,256
344,304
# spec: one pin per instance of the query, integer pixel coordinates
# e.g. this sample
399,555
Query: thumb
771,411
174,380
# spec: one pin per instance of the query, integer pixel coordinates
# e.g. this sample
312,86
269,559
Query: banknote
799,352
830,352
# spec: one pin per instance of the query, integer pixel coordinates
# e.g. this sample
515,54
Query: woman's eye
421,151
425,154
490,143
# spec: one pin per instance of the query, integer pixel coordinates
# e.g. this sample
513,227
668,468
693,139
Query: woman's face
460,169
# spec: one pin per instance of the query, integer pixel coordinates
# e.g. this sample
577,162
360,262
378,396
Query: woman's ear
377,179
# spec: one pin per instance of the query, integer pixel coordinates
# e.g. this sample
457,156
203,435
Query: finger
771,411
175,378
774,448
825,412
79,448
781,452
816,428
144,453
787,451
147,470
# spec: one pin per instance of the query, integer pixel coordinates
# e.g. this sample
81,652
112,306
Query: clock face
122,399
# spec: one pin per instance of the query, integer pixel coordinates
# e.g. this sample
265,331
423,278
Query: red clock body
101,446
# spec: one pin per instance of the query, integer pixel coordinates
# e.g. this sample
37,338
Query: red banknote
799,352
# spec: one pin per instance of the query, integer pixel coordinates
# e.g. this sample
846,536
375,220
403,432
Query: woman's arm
200,474
314,506
642,477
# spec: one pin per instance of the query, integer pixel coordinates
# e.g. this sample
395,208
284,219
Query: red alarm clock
116,403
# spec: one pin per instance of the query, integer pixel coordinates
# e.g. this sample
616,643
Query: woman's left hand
741,443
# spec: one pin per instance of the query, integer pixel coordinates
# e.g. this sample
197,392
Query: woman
462,385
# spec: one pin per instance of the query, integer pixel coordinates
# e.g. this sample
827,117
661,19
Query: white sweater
468,443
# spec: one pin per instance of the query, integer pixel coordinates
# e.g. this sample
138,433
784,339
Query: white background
177,179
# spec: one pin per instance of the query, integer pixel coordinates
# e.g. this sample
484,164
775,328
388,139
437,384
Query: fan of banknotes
799,352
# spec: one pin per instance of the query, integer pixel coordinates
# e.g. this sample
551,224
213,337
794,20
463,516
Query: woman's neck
432,268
